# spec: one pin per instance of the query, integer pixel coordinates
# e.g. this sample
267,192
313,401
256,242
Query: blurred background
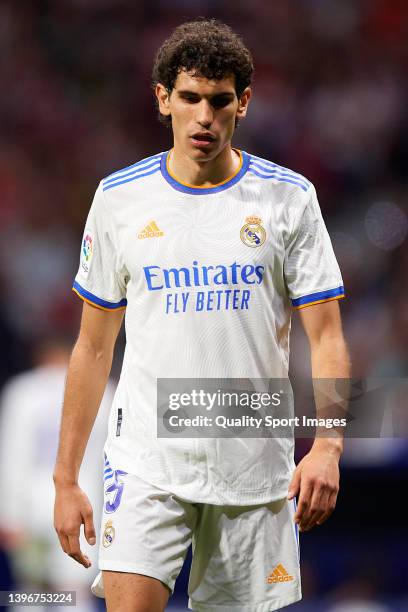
330,101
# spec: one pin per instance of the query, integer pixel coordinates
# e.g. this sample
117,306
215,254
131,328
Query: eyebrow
185,92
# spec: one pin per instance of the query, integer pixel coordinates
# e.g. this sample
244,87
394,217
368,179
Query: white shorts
245,558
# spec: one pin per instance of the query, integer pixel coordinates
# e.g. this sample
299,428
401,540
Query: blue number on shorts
116,487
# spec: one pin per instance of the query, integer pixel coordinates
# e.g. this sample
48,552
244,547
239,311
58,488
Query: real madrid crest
252,233
108,534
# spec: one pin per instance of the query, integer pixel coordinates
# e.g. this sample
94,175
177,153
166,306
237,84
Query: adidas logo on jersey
279,574
151,231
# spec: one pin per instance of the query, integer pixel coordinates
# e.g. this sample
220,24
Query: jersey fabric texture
208,277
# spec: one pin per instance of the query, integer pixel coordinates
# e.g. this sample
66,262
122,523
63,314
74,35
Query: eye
191,99
221,102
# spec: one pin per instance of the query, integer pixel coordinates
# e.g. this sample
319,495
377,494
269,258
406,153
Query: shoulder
135,172
276,175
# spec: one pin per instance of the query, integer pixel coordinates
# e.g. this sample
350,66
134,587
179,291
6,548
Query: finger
318,506
294,486
89,528
75,551
303,501
81,559
64,542
312,504
331,504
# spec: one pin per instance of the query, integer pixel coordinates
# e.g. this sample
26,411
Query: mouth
202,139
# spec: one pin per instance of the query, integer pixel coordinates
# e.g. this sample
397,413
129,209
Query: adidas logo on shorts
279,574
151,231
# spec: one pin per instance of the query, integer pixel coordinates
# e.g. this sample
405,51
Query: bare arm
88,372
316,478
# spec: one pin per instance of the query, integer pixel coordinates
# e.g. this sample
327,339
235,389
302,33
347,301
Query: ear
163,98
243,103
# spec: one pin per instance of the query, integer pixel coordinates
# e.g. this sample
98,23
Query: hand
72,509
316,481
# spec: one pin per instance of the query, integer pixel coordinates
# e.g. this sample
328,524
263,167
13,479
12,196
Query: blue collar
193,190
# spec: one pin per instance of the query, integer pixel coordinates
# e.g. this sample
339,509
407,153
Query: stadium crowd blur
330,101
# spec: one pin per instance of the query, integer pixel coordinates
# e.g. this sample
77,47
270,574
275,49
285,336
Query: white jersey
208,277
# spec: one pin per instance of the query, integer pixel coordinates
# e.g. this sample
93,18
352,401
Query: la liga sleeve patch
87,249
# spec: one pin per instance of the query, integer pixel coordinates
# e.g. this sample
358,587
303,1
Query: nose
204,114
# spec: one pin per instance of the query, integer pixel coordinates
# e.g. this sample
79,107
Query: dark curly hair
207,48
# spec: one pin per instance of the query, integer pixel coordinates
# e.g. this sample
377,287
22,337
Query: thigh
126,592
145,531
245,558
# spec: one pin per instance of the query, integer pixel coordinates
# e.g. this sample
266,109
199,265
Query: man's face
203,113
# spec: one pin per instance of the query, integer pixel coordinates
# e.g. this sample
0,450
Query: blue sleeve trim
94,299
320,295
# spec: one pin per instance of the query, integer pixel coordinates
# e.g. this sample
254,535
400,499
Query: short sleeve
101,277
312,274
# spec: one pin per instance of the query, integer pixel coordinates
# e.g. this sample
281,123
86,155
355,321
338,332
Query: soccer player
30,402
207,249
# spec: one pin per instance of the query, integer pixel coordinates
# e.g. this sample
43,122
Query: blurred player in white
30,414
208,249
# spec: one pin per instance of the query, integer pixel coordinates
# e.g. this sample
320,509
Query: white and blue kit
208,277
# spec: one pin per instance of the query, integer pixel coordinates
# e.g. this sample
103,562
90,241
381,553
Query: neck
203,173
